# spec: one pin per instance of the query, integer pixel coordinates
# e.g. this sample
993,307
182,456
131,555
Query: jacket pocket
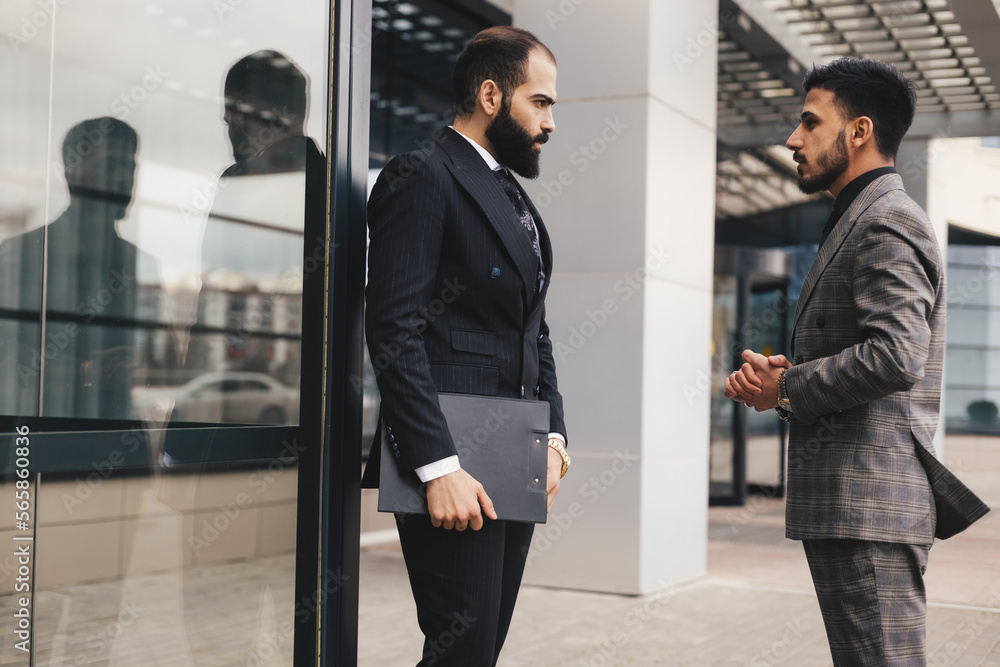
477,342
466,378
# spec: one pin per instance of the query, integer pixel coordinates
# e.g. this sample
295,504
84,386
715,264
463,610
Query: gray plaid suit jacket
865,388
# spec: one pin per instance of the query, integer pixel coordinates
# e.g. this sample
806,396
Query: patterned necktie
514,195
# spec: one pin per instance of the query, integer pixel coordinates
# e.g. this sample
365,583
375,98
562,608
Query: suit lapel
868,196
475,177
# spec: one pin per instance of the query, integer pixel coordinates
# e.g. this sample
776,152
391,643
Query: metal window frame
329,494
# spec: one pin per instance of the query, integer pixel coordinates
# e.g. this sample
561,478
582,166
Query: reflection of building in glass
256,330
261,331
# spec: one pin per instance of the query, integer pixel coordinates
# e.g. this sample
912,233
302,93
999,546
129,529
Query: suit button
538,390
397,455
522,391
495,273
820,321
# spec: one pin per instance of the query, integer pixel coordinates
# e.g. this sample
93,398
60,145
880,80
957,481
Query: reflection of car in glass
230,397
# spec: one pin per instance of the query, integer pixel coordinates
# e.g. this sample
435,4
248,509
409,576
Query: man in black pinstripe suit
458,269
864,393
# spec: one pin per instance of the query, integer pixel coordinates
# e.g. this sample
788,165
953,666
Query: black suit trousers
465,585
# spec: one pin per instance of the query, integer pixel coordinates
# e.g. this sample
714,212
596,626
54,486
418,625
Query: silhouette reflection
266,104
84,366
248,313
82,355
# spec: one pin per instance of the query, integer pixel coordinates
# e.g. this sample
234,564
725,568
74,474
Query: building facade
186,400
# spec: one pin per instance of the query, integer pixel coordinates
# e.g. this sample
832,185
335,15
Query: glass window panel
721,474
153,194
973,356
968,408
967,366
768,311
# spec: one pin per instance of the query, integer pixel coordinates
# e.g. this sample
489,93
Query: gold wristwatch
784,408
556,444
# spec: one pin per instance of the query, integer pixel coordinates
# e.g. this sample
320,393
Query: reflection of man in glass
83,367
91,289
247,325
251,260
266,113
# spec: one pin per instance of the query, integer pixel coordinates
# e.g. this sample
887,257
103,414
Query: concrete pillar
627,191
912,164
917,161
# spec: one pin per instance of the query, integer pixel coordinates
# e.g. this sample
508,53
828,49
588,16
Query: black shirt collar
849,194
854,188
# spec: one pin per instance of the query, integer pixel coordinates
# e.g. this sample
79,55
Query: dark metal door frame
329,519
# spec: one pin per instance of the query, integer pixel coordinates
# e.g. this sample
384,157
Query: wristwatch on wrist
556,444
784,408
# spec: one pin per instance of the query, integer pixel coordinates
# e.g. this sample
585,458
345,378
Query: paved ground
755,607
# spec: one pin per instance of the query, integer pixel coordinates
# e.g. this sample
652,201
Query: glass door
751,311
163,209
726,447
765,432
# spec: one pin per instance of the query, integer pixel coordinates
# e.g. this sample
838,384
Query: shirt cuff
559,436
437,469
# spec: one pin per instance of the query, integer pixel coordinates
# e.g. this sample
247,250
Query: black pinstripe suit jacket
451,300
868,349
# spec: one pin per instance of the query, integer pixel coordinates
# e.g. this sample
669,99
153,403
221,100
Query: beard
831,164
513,144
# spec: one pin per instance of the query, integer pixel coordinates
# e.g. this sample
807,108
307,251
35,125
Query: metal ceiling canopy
955,69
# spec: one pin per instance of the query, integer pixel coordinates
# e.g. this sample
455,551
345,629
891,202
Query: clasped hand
755,384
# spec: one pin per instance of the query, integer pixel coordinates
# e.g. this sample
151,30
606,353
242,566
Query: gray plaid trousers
873,601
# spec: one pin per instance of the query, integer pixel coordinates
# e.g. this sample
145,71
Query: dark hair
269,78
499,53
84,137
863,87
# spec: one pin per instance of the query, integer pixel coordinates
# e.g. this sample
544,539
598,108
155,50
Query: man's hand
779,361
454,501
756,383
555,469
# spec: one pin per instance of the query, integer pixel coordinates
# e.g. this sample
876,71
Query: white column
916,162
627,192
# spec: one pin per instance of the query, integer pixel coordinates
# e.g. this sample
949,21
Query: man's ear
862,131
489,97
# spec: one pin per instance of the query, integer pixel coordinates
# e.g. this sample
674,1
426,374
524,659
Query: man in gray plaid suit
864,392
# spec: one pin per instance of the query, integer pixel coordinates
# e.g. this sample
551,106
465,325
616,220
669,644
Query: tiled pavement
755,607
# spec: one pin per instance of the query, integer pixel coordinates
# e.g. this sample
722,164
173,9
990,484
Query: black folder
502,442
